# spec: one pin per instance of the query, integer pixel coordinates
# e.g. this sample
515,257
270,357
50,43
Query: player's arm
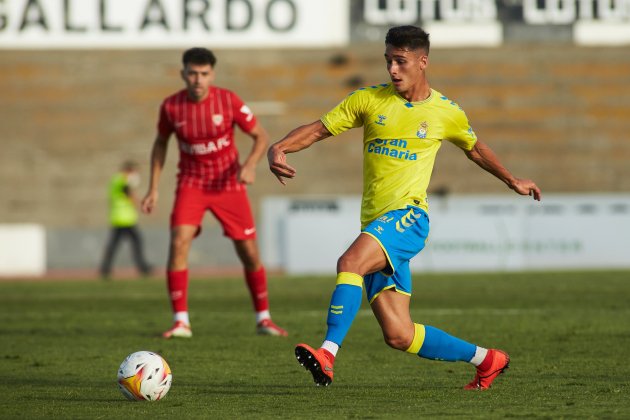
298,139
247,174
483,156
158,157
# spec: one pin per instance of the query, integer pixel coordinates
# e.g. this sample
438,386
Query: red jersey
208,158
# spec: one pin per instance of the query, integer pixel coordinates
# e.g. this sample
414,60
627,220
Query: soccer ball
144,375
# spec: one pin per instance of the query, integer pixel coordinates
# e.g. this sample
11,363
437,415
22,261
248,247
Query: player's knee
249,256
347,263
179,243
397,339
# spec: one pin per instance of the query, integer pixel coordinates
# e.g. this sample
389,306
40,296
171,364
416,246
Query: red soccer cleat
316,362
484,378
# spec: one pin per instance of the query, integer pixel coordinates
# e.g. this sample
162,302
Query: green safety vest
122,211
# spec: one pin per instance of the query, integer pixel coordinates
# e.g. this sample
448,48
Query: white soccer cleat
179,330
267,327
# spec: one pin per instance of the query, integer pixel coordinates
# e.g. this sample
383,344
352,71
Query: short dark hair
408,36
198,55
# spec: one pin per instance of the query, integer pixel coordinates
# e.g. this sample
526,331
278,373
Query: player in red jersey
210,177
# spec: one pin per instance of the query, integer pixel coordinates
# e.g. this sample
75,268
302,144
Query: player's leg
391,309
233,211
363,260
110,252
402,234
177,279
188,210
364,255
256,279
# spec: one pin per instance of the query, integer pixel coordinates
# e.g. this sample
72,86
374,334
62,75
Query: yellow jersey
400,142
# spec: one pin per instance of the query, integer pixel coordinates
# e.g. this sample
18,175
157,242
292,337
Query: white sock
331,347
480,354
262,315
182,316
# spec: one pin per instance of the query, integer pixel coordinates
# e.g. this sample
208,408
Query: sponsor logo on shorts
249,231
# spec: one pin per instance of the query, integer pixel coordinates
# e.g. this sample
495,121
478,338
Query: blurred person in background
210,178
123,218
404,123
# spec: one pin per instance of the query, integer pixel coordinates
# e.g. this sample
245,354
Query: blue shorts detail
375,283
402,234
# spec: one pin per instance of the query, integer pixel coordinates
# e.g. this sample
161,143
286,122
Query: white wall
468,233
22,250
174,24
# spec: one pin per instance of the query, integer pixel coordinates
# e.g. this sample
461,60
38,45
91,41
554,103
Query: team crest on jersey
381,119
217,119
422,130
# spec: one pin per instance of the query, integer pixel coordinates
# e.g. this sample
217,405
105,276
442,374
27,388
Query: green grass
568,335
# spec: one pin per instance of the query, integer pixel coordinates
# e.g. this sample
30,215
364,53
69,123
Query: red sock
178,290
487,361
257,284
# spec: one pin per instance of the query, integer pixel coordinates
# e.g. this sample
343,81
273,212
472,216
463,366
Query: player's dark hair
198,56
408,36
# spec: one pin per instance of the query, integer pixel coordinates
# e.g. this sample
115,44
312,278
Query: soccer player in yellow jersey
404,123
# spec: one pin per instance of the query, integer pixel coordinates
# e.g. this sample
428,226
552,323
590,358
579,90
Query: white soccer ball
144,376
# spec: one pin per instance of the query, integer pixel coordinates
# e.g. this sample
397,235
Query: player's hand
246,175
149,202
279,166
526,187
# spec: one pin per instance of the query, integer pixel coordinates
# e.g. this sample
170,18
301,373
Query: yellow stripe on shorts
352,279
418,339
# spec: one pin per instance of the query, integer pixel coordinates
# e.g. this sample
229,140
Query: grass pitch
568,335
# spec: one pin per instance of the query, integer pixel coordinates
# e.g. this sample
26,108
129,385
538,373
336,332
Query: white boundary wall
121,24
22,250
28,24
304,235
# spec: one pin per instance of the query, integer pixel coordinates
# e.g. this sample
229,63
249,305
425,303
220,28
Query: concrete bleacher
557,114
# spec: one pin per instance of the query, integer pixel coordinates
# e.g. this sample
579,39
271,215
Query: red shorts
231,209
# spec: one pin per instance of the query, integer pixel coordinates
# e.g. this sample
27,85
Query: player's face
406,67
198,78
